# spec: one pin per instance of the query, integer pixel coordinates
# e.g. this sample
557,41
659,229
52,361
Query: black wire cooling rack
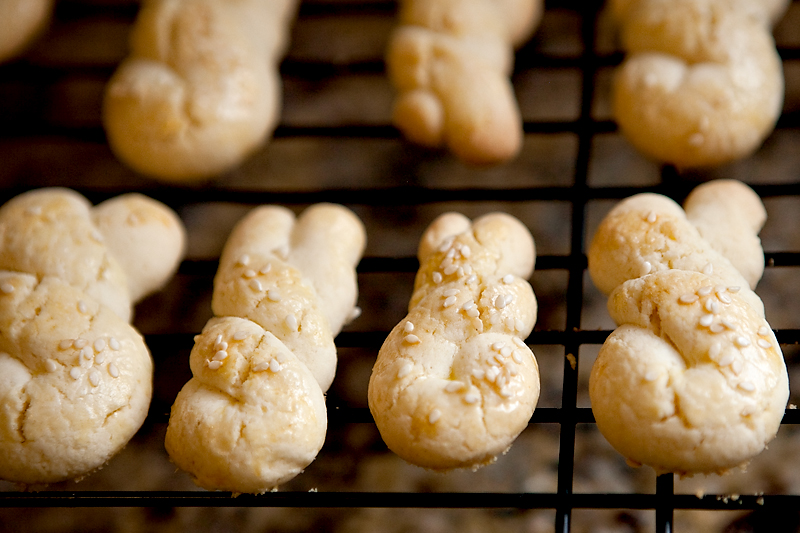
35,82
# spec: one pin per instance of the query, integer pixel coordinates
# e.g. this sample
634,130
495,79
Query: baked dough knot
702,83
450,61
21,22
75,376
693,380
200,90
454,383
253,415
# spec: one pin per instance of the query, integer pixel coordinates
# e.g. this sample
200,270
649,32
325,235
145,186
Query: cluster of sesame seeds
88,351
454,261
220,349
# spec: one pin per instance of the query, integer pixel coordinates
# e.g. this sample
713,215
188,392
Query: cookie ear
729,215
146,237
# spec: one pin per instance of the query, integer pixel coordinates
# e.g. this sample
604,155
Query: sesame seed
466,251
737,366
274,295
240,335
505,351
451,253
647,267
80,343
82,306
494,318
75,373
220,355
274,366
688,298
467,268
712,306
716,328
99,345
453,386
114,343
505,393
86,353
651,217
94,378
218,340
221,346
64,344
478,373
7,288
468,305
476,322
492,372
508,278
728,324
249,273
50,365
100,358
473,312
519,342
282,357
450,269
113,370
724,298
471,398
742,341
265,269
256,286
473,278
764,331
516,356
434,416
449,301
714,350
214,365
500,301
405,370
497,346
764,343
706,320
408,327
460,272
708,269
747,386
355,313
510,323
727,359
291,321
705,290
697,139
411,339
651,375
260,367
450,292
244,260
734,288
447,243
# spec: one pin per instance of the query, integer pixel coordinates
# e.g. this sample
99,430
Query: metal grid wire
572,337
